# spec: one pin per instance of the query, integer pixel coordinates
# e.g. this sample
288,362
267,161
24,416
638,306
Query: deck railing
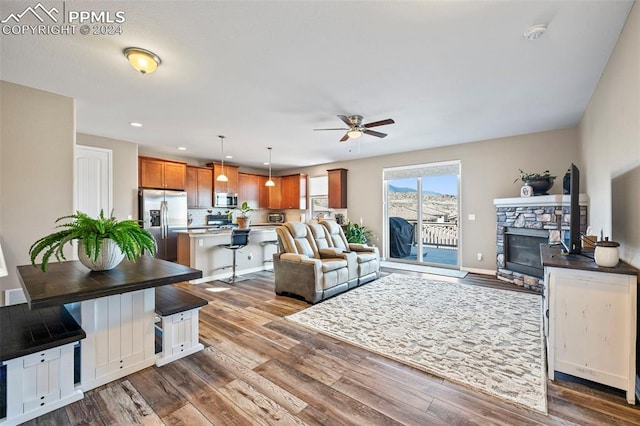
438,234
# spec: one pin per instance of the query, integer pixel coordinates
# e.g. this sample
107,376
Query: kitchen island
200,249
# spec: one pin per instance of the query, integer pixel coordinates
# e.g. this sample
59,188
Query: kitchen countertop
207,231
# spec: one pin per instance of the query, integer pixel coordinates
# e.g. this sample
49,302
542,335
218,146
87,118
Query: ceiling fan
356,128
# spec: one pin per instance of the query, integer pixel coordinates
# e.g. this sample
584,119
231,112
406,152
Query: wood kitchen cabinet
294,192
590,320
249,189
270,196
337,188
161,174
230,187
199,187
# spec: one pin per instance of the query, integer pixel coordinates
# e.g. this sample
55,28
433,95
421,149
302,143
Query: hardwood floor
258,368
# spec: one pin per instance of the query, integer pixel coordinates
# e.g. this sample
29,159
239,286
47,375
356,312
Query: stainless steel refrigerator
162,212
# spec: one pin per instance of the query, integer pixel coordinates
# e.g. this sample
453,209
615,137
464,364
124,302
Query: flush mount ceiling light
142,60
535,32
222,177
270,182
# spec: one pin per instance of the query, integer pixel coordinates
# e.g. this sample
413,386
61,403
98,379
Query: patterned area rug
487,339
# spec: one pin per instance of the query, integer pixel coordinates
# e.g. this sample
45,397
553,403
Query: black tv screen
575,242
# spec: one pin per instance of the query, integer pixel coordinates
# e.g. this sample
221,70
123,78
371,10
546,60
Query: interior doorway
422,206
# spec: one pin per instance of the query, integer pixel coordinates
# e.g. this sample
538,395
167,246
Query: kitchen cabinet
294,192
249,189
270,196
230,187
161,174
337,188
199,186
590,321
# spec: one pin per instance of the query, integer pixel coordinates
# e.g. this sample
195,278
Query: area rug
487,339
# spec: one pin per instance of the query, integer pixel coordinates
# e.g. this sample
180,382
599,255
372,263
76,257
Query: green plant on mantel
357,234
524,176
127,235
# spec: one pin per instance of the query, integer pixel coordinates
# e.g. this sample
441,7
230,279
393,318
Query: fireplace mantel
540,200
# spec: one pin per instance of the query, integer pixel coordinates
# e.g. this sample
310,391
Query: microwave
275,218
224,199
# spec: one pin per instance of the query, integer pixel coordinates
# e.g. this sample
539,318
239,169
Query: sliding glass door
421,213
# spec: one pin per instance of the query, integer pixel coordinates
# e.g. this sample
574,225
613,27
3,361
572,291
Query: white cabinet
120,337
39,383
591,326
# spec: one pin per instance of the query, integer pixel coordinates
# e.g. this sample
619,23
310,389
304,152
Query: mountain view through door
422,210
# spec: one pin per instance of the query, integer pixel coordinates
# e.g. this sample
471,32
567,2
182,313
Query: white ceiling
266,73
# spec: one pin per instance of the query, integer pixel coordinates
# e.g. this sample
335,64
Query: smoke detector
534,32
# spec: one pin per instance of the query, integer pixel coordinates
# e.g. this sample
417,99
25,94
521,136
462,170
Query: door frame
385,214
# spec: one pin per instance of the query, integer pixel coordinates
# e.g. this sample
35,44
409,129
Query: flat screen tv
575,242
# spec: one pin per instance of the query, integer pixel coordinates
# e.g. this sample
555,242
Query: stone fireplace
522,224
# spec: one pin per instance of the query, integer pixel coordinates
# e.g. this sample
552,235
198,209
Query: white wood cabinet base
39,383
179,336
120,336
592,326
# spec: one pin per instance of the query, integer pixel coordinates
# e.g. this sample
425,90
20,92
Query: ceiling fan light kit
142,60
356,128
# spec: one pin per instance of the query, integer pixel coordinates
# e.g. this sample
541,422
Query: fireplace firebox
522,250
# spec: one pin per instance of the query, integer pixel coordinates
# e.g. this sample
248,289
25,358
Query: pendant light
222,177
270,182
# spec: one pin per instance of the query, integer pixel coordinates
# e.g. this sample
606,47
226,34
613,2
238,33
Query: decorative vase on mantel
110,256
540,186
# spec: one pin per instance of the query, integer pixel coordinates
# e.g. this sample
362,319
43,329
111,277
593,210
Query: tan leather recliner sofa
302,269
368,258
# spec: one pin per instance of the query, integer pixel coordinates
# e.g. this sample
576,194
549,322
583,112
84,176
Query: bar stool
266,243
239,239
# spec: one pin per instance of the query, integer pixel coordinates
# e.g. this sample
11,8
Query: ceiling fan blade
345,137
340,128
346,120
379,123
374,133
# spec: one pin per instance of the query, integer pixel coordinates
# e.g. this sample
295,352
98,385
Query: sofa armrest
330,252
362,247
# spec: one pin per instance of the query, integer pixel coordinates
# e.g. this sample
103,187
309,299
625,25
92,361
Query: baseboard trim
479,271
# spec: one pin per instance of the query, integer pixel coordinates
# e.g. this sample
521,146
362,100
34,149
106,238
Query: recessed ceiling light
182,148
134,124
535,32
228,156
266,163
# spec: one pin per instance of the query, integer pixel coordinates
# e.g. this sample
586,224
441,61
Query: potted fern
102,242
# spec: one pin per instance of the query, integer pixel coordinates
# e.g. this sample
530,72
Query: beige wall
488,171
37,138
125,172
610,144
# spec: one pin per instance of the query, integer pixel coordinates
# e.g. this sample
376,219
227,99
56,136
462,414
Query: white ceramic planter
110,256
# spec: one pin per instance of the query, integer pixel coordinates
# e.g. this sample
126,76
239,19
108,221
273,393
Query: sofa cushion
333,264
